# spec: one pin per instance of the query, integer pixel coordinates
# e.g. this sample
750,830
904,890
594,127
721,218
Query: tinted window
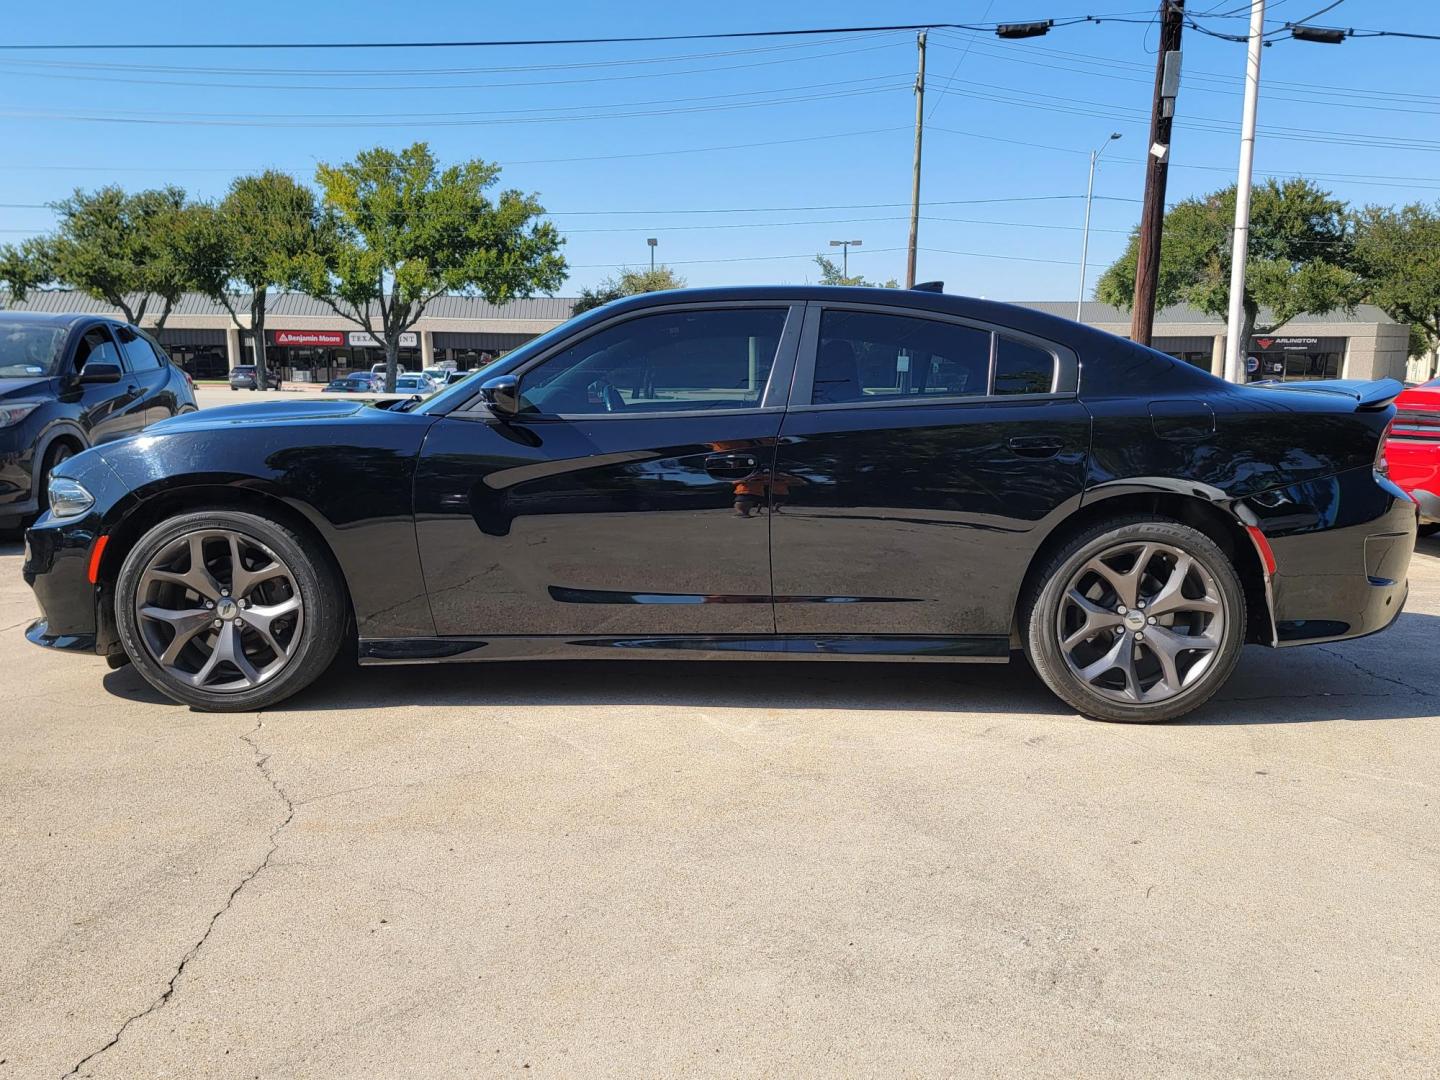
1022,368
677,360
138,354
865,356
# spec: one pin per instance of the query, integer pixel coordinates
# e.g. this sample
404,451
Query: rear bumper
1342,552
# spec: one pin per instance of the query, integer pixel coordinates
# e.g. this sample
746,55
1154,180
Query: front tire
228,611
1139,620
57,453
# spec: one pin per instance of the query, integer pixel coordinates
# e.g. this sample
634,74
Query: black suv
69,382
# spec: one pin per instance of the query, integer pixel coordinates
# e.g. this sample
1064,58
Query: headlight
68,498
12,412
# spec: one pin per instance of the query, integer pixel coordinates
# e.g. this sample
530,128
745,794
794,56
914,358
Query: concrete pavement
780,869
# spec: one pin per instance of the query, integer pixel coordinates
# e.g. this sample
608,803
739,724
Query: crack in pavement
262,762
1375,674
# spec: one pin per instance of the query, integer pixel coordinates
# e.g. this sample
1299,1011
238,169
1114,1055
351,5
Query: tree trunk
1247,331
164,315
257,331
392,361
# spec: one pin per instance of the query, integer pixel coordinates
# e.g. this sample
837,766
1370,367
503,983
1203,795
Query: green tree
124,248
629,283
1398,253
266,233
25,267
831,274
1301,256
402,230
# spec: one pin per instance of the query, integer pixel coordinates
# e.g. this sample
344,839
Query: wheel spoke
230,647
262,619
1109,662
186,625
242,579
1128,583
1097,618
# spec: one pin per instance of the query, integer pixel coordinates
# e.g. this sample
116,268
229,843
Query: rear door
919,459
151,376
628,495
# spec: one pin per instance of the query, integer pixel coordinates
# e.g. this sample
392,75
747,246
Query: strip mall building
308,342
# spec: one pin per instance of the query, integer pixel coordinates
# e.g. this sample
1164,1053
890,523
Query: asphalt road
778,869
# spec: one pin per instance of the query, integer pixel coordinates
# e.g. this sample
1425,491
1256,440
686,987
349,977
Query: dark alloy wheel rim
219,611
1142,622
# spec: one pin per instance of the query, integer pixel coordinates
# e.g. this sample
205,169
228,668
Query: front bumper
76,613
1342,552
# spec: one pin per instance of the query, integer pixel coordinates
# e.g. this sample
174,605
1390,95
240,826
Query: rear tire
1430,528
228,611
1139,619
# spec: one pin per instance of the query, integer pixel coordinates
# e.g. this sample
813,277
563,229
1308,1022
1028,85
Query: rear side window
869,356
1022,368
138,354
674,361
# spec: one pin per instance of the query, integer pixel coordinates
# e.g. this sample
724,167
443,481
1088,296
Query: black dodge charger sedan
820,473
68,382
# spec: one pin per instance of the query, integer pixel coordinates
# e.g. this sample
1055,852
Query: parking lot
729,870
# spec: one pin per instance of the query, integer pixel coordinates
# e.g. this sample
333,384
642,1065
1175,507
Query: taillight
1381,465
1413,425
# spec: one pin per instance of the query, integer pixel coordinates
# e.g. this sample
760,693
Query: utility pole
915,182
1235,345
1157,167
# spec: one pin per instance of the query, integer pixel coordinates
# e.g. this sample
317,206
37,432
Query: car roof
1020,318
56,319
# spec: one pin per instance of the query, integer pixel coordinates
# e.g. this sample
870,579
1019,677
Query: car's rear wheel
1430,528
228,611
1137,620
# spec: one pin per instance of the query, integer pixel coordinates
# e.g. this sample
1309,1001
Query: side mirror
502,394
100,371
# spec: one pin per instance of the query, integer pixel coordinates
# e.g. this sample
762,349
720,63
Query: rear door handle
732,466
1036,446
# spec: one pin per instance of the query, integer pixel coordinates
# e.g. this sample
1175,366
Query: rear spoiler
1367,394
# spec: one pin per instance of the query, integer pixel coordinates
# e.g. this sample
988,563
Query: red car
1413,450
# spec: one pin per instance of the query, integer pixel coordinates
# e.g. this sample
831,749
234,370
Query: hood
28,387
264,414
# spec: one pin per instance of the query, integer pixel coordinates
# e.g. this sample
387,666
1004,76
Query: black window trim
772,398
109,328
1065,386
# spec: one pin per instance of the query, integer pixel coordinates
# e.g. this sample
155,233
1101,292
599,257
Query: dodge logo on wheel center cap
226,608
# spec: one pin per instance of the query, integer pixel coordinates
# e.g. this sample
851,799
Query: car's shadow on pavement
1330,682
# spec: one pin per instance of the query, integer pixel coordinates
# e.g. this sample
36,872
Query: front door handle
1036,446
732,466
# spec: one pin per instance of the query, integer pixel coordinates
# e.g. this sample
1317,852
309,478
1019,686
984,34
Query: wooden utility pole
915,181
1157,167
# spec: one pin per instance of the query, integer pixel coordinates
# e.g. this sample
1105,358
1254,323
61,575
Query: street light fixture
845,245
652,241
1085,238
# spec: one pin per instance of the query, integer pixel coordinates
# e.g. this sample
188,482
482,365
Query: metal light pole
1085,237
1234,347
846,245
652,241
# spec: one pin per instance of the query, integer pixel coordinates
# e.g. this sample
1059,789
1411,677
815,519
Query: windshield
29,350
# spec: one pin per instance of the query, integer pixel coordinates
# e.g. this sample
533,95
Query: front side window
96,347
868,356
671,361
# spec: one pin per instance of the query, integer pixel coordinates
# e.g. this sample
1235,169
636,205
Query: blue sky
817,132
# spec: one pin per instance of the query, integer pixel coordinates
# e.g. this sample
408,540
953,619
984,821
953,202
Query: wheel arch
59,431
1207,511
126,533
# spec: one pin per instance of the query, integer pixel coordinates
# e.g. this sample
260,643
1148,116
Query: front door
630,493
110,410
913,472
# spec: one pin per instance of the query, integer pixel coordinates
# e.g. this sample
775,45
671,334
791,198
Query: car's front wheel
228,611
1136,620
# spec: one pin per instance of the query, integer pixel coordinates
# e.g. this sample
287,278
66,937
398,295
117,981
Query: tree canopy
1398,253
1301,256
629,283
25,267
263,234
123,248
832,274
401,230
